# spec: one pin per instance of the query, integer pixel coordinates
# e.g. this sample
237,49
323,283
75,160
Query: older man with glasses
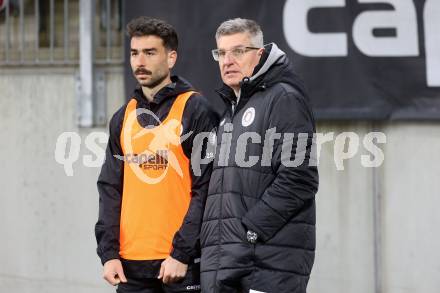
258,231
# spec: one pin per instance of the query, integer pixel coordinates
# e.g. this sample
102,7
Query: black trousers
149,284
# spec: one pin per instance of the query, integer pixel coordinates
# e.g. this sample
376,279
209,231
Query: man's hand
113,272
172,270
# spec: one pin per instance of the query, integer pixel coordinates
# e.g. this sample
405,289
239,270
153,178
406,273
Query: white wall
409,187
344,251
47,219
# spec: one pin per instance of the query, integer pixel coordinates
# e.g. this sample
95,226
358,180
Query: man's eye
150,53
221,53
133,53
238,52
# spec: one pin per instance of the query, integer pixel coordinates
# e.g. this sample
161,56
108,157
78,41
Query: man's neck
236,92
149,93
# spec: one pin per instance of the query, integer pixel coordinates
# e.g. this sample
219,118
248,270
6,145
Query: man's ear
260,52
172,58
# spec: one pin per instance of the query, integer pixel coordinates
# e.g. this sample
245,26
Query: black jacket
197,117
258,191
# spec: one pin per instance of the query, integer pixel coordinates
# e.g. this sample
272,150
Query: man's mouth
142,75
230,72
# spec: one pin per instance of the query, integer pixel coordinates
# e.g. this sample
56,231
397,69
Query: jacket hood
272,55
275,67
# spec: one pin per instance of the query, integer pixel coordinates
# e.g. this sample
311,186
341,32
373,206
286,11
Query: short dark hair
147,26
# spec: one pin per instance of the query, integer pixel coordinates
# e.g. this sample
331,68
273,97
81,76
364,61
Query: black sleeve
198,118
292,186
110,193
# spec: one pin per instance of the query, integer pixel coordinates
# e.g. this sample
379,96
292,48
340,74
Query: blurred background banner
363,59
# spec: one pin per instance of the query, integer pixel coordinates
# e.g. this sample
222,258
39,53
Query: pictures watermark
151,151
346,146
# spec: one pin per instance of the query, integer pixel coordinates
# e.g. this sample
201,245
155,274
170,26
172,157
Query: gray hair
240,25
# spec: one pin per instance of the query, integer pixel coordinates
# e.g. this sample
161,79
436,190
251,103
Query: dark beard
154,82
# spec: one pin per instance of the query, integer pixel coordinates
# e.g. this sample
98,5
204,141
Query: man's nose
140,60
228,59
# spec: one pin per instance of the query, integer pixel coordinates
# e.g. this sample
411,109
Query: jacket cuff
180,256
108,256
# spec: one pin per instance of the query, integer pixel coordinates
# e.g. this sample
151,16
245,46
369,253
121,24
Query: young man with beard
151,203
258,231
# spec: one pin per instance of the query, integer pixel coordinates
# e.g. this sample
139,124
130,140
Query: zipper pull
233,104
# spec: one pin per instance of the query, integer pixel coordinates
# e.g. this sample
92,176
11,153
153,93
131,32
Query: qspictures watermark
156,147
346,146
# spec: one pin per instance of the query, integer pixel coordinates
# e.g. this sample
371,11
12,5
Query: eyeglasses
236,52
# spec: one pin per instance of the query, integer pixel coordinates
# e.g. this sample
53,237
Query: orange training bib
157,183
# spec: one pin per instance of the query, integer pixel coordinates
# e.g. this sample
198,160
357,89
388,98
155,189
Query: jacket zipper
233,106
